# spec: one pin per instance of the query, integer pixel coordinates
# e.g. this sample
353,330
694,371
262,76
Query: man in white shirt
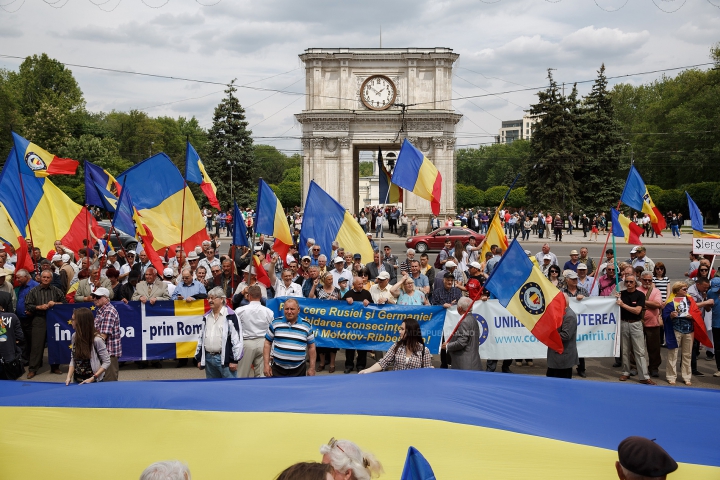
220,345
339,270
169,280
254,320
546,251
284,286
209,261
381,291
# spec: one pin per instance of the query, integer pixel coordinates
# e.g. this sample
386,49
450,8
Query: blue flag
101,188
239,230
416,467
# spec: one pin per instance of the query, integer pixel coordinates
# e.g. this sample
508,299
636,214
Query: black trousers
361,359
26,325
491,365
300,371
716,342
559,372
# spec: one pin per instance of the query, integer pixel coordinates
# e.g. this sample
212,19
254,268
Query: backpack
437,263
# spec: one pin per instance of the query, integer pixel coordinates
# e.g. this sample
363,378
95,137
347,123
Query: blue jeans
379,231
215,369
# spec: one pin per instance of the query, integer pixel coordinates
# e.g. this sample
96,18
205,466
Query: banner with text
375,327
148,332
502,336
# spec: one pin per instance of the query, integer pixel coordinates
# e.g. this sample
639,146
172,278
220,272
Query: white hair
348,456
464,304
335,244
322,256
410,250
217,292
311,241
167,470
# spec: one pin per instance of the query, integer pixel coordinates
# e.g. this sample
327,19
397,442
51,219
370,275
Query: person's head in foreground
349,462
167,470
307,471
643,459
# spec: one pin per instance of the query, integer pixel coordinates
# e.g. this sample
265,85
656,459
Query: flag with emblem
37,162
527,294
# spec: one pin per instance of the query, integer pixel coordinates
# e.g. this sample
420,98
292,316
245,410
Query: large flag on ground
635,195
156,188
271,219
526,293
414,172
416,467
101,188
51,215
37,162
696,220
495,236
700,332
239,229
623,227
326,221
195,172
389,192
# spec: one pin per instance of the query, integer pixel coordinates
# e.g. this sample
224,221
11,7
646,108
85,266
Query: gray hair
217,292
464,304
311,241
410,250
322,256
348,456
646,274
167,470
22,273
335,244
187,269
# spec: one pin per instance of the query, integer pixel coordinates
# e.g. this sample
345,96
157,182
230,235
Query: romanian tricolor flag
144,233
160,194
239,230
271,219
101,188
697,221
259,271
623,227
495,236
635,195
529,296
389,192
195,172
327,221
51,215
175,326
9,235
37,162
414,172
700,333
526,426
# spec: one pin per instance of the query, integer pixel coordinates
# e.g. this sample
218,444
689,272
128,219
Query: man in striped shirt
287,341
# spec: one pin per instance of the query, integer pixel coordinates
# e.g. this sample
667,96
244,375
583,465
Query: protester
283,286
307,471
660,279
189,289
151,289
287,341
254,320
408,353
87,286
404,291
89,358
349,461
107,324
640,458
463,346
25,284
652,325
323,288
632,339
357,294
11,333
560,365
220,343
37,302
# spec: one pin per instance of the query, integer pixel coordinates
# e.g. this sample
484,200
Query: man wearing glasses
642,260
315,258
632,337
651,321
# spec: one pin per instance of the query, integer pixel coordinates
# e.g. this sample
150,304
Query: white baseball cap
383,276
65,258
475,265
450,263
101,292
339,260
168,272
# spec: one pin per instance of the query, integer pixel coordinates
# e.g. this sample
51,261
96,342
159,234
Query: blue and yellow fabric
468,425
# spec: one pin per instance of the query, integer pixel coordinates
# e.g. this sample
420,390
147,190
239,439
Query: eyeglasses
215,271
684,288
703,269
315,249
629,282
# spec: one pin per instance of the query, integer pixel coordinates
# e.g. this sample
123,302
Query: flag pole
597,271
27,215
387,197
182,218
112,224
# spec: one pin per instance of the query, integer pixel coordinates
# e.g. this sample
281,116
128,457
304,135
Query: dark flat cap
645,457
448,275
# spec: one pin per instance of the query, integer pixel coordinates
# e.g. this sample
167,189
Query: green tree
365,169
467,196
9,114
494,195
230,142
672,200
289,193
703,195
517,197
492,165
550,169
48,127
271,162
601,144
293,174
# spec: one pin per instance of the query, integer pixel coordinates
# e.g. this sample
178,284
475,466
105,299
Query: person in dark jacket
560,365
11,339
463,346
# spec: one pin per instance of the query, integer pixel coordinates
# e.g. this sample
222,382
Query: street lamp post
231,164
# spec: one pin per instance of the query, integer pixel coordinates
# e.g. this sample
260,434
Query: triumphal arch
362,99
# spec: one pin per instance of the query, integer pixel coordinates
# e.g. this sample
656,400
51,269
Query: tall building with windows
512,130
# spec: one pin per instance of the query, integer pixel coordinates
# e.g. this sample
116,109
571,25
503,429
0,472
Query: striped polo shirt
289,342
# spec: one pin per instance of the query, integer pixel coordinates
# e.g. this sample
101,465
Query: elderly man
289,339
169,279
446,295
560,365
463,346
339,271
254,319
643,459
130,265
250,279
380,291
587,261
492,262
220,344
8,298
25,284
284,286
87,286
632,339
546,251
642,260
144,262
210,260
574,261
377,266
405,265
227,280
357,294
66,271
572,289
450,267
322,264
308,283
107,323
651,322
586,281
189,289
151,289
37,302
315,255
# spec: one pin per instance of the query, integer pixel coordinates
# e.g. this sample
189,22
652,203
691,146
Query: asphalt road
671,251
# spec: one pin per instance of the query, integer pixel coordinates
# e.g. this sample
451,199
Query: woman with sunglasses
408,353
678,314
89,358
555,277
660,279
349,462
407,294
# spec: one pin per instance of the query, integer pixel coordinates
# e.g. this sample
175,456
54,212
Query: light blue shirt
192,290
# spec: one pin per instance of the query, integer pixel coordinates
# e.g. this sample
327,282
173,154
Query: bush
467,196
517,197
494,195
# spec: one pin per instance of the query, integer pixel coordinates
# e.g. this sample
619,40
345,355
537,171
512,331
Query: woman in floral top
408,353
406,292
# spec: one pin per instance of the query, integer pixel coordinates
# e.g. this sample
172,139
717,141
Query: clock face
378,92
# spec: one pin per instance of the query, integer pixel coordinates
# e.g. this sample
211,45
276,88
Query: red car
436,240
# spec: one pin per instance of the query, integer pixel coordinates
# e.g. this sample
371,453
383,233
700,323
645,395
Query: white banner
706,246
502,336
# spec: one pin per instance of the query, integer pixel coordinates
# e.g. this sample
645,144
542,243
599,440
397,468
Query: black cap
448,275
645,457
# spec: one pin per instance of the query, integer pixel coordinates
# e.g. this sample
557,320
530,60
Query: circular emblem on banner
35,162
532,298
484,325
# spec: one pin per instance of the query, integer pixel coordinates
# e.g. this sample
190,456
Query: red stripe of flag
62,166
546,327
436,193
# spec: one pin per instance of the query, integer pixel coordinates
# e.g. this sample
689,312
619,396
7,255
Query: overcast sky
505,45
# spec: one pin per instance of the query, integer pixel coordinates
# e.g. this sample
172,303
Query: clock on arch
378,92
